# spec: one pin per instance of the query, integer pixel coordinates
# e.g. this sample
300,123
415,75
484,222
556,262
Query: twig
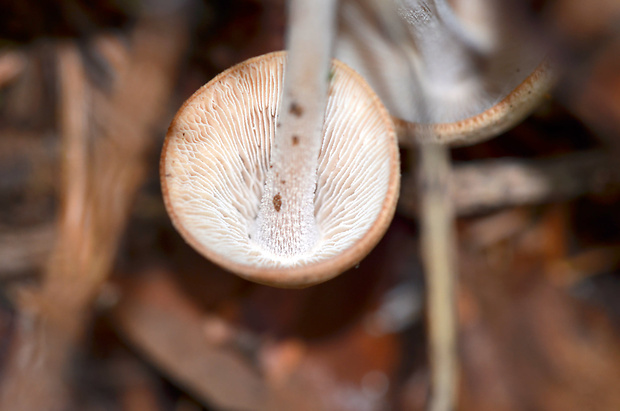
161,322
438,251
492,184
570,271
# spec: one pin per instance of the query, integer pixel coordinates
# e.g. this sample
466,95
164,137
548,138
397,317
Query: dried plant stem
438,251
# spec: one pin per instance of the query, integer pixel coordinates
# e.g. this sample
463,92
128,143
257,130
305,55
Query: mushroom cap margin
316,272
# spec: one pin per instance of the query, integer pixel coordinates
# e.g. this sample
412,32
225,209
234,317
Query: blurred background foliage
104,307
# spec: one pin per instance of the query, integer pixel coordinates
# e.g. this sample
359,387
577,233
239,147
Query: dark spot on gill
330,76
277,202
296,110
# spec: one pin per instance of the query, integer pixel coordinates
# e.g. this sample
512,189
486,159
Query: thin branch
151,310
483,186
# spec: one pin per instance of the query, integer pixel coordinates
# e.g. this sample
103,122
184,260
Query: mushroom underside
431,75
217,156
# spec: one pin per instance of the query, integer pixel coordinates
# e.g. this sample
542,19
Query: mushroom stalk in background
444,64
438,253
476,22
286,224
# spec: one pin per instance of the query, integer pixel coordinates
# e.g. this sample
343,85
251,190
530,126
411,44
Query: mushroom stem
285,223
444,61
475,22
439,255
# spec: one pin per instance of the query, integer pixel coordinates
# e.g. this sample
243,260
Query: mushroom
285,180
224,153
452,72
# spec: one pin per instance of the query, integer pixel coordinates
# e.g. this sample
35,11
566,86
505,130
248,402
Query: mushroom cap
217,154
438,77
489,122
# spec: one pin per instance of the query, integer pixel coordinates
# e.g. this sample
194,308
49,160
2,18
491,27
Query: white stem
445,66
443,56
475,22
286,224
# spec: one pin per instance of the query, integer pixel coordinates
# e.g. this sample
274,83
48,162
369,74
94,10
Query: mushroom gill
217,155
